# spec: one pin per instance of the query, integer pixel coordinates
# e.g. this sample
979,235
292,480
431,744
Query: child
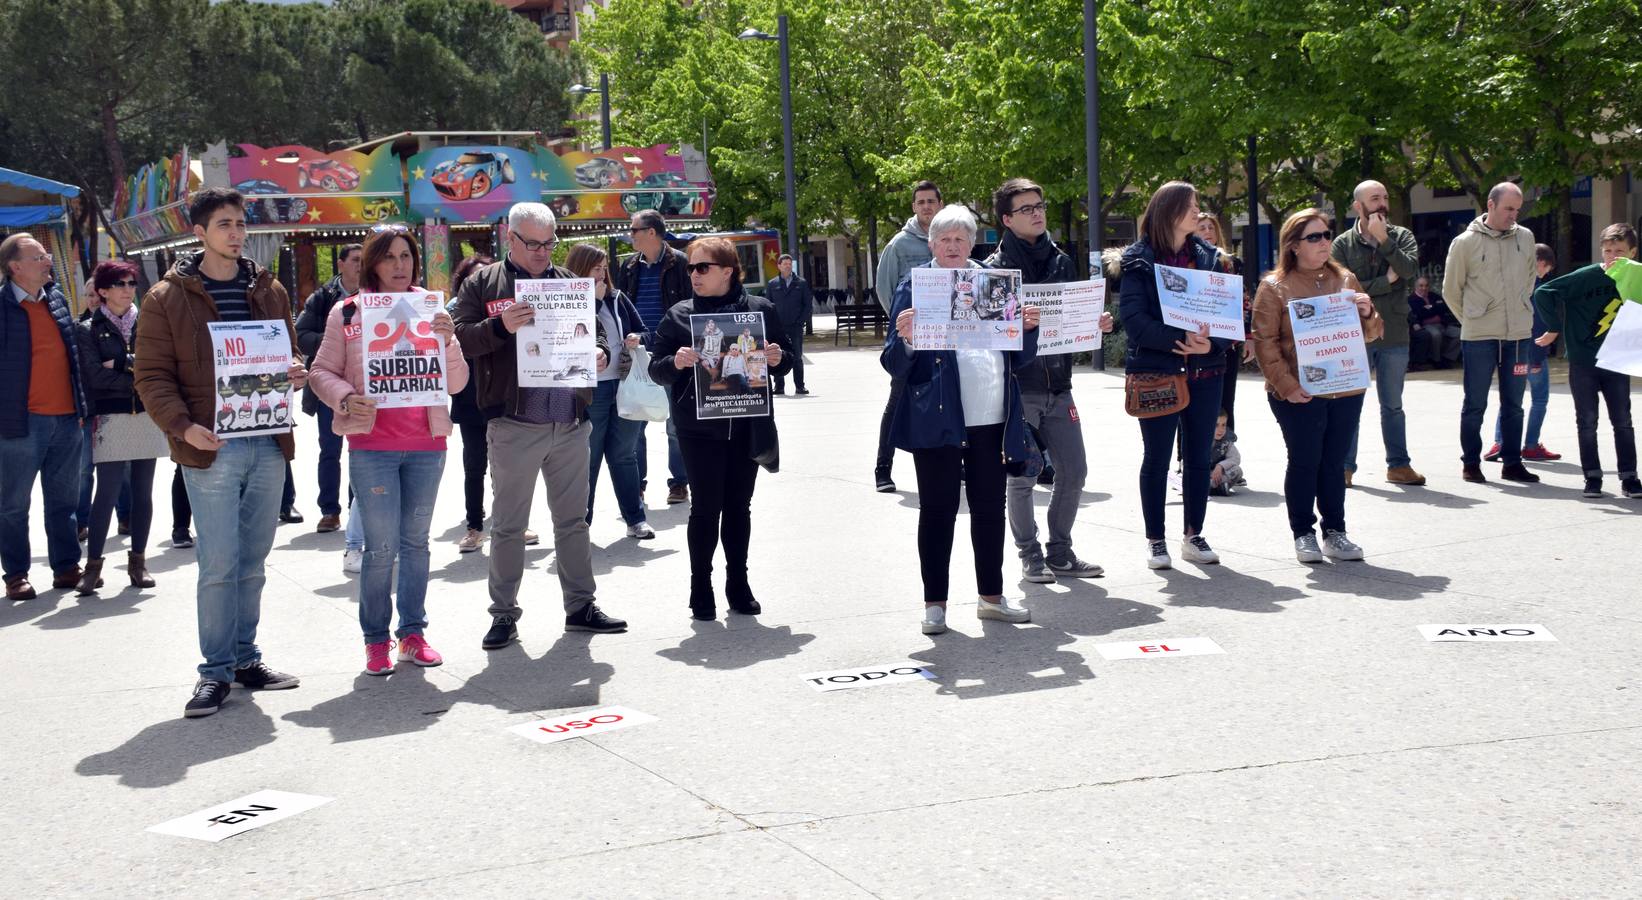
1227,463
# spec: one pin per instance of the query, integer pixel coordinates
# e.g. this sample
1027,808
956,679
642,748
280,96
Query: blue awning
25,216
36,183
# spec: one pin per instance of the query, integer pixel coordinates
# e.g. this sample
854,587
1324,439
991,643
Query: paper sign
1621,349
1328,344
1069,315
732,378
404,358
1158,649
237,816
1485,633
558,348
587,724
966,309
1190,298
845,679
252,368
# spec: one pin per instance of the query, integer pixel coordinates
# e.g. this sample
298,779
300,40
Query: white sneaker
1003,611
1195,549
641,531
1337,546
471,542
532,538
1159,555
934,620
1306,549
353,561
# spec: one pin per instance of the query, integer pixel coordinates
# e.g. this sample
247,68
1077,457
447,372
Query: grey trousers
559,453
1055,418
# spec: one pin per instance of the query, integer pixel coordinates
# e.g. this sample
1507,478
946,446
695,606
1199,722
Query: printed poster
559,347
404,358
1069,314
966,309
1621,349
732,376
253,372
1191,298
1328,344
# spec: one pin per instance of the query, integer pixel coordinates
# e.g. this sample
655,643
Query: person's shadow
102,605
565,677
1084,608
1225,588
1366,580
163,753
1423,496
1006,659
378,706
735,643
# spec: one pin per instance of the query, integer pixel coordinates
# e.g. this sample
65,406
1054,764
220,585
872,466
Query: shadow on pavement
378,706
566,676
1423,496
735,643
1381,583
162,753
1005,659
102,605
1225,588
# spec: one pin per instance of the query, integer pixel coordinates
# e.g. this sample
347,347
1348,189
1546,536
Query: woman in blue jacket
959,417
1168,237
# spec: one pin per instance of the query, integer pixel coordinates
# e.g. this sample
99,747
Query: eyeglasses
1030,208
702,268
129,282
1316,236
535,246
639,230
43,257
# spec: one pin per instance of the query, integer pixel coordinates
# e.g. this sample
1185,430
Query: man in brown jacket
233,485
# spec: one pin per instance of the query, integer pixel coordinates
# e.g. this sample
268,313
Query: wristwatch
345,405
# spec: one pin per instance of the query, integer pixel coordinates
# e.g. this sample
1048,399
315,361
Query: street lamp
753,34
1091,144
603,90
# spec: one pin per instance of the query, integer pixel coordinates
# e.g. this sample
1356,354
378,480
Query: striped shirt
232,297
648,299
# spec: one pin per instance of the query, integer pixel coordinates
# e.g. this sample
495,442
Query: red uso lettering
1074,413
495,307
376,301
352,332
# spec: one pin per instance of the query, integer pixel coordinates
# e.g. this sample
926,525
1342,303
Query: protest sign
1621,349
587,724
1068,314
845,679
733,375
1190,298
239,816
966,309
557,348
404,359
252,368
1329,354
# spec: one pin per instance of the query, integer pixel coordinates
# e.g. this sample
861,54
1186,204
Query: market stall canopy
30,200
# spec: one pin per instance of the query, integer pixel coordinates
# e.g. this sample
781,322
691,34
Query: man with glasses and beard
1385,258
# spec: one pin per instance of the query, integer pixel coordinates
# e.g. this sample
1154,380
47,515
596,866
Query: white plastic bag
639,398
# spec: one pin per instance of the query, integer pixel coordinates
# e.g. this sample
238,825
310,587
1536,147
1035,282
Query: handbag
1148,395
638,397
121,437
764,443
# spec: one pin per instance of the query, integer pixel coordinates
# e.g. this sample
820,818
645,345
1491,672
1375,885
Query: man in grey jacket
908,248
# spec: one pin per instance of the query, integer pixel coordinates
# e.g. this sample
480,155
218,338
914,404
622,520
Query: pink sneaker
377,660
413,648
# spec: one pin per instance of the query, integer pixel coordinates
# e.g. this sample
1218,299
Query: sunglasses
535,246
639,230
1316,236
702,268
130,283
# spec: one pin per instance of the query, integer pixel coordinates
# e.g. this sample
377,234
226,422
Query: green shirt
1581,305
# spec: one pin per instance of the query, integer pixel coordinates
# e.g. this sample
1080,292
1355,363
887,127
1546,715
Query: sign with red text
1068,315
404,358
558,347
586,724
1493,634
1161,648
239,816
1190,299
251,362
1329,354
867,676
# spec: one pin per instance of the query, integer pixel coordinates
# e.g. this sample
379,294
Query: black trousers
111,478
1586,384
722,477
181,513
939,468
886,450
1318,435
475,459
795,337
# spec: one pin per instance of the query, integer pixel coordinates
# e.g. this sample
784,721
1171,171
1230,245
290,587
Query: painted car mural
671,194
327,174
273,210
378,209
471,175
600,172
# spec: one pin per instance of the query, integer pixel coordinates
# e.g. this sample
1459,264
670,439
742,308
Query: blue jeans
1483,359
330,464
236,505
1196,423
395,491
614,441
50,450
677,477
354,537
1539,394
1390,365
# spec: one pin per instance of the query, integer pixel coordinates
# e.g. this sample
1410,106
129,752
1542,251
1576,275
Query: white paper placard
966,309
1189,298
1068,315
845,679
236,816
1158,649
1621,349
584,724
1485,633
1328,344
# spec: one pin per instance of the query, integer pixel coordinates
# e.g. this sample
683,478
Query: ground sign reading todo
846,679
239,816
586,724
1486,633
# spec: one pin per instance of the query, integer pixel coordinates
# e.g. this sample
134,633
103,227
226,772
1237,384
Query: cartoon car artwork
471,175
271,210
1171,282
326,174
669,194
564,206
378,208
600,172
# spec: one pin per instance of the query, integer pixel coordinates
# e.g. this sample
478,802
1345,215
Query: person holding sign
1172,376
718,452
234,485
1318,429
396,453
960,418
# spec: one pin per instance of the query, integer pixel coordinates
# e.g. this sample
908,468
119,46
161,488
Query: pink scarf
125,323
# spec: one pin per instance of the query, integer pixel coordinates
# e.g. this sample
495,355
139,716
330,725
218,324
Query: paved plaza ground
1330,751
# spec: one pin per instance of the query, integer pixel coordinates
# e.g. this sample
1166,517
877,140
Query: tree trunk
111,144
1564,227
359,125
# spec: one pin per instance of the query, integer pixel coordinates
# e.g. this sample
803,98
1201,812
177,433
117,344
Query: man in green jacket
1385,258
1581,306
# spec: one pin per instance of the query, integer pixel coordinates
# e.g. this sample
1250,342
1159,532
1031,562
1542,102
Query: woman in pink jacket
395,456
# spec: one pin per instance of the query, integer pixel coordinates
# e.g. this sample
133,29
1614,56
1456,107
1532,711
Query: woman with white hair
960,418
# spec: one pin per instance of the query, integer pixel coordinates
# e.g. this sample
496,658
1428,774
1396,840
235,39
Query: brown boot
1404,475
92,578
137,565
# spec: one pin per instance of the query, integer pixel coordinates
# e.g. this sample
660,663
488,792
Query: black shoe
258,677
182,541
124,527
209,696
1518,472
803,392
1593,487
886,485
702,605
290,516
593,619
502,632
1632,488
1047,476
1473,474
741,600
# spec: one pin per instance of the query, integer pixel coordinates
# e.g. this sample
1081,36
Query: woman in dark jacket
464,411
718,453
960,418
1168,237
108,351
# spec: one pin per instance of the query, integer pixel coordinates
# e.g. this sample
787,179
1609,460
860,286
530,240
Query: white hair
534,213
952,218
